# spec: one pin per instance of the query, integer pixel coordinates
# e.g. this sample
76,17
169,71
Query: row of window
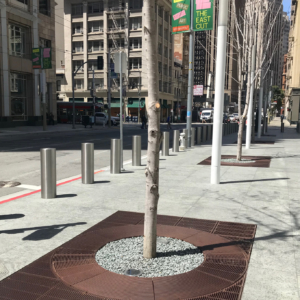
44,6
98,7
166,51
166,71
96,46
134,64
165,87
97,26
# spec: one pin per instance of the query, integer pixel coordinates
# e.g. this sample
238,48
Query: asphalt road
20,153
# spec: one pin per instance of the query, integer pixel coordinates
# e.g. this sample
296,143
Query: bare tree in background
154,134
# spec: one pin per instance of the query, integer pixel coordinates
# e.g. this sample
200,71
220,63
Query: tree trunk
154,134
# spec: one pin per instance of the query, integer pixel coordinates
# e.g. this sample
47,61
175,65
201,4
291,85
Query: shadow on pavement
254,180
66,196
11,217
103,181
43,232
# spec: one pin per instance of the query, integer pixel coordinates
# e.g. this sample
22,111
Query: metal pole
136,150
176,141
166,144
199,131
177,101
87,163
108,90
115,162
219,92
204,139
250,109
73,90
44,100
260,103
94,98
191,79
140,82
48,173
121,111
193,137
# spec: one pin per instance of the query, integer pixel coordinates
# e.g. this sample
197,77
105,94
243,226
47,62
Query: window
92,65
77,28
23,1
120,44
135,23
99,83
166,34
18,84
166,70
134,83
160,85
166,52
44,7
95,46
17,40
77,10
170,53
78,64
136,43
77,47
45,43
170,71
78,84
135,4
96,7
159,48
166,16
165,87
117,24
58,85
159,67
160,11
135,63
96,26
160,30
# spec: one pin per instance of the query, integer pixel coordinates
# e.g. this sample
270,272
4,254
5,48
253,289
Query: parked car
225,118
232,118
237,117
207,116
103,117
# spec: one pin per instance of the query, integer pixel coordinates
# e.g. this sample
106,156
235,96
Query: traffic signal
100,62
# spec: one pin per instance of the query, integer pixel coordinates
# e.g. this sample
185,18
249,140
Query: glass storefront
18,92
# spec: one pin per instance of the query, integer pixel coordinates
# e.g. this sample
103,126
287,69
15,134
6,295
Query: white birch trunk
154,134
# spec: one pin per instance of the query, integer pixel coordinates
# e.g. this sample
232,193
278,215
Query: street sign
198,90
181,16
203,15
47,59
36,58
117,62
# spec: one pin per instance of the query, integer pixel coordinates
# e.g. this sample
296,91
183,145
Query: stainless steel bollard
185,131
87,163
115,156
193,137
136,150
166,144
176,141
204,133
199,133
48,173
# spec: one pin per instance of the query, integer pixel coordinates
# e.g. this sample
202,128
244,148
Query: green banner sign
47,59
36,58
181,16
203,15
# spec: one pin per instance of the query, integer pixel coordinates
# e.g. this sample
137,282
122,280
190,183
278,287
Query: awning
134,103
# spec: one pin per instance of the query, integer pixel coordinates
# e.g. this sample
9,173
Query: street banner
203,15
181,16
198,90
36,58
47,63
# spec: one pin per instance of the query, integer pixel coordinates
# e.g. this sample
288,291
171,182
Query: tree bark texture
154,134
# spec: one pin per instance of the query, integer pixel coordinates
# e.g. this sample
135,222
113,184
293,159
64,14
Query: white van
207,116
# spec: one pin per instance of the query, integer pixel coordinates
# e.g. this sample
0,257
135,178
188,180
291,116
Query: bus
65,111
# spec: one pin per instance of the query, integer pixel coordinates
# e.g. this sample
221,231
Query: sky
286,5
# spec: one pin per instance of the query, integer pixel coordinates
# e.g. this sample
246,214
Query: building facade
292,91
103,27
25,25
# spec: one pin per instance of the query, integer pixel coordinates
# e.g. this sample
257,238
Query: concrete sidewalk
268,197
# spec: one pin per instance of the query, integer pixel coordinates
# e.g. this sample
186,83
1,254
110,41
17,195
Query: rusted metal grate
71,272
258,161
